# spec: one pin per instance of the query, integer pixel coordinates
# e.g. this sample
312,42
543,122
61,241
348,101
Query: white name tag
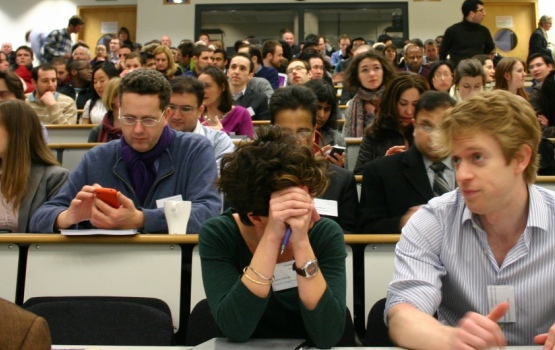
160,202
251,111
325,207
284,276
499,294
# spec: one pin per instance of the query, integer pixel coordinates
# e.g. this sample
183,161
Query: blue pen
285,239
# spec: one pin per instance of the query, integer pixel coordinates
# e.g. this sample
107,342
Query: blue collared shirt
444,263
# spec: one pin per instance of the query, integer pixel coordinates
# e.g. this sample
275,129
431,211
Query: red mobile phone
108,195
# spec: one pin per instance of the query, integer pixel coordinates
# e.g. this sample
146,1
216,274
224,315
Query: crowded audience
186,120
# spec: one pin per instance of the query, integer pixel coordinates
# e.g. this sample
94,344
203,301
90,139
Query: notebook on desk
267,344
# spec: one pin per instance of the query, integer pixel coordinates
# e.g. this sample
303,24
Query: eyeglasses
303,134
145,121
425,127
443,76
183,109
297,68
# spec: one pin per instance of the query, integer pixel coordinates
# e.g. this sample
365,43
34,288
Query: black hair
293,97
470,6
146,82
431,100
188,85
325,93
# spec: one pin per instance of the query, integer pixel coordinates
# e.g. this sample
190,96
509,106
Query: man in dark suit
538,39
239,73
294,108
20,329
261,71
393,187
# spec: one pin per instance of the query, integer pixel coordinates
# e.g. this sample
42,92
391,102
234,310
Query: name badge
326,207
251,111
284,276
499,294
160,202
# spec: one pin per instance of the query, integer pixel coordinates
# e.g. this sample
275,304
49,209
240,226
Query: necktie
440,185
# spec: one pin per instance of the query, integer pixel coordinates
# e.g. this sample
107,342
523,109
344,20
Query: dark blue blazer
390,186
270,74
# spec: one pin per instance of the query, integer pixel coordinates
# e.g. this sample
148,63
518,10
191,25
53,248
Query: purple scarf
140,165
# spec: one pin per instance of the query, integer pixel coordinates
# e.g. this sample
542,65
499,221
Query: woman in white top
94,110
470,78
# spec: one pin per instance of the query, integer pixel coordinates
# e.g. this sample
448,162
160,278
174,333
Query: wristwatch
309,270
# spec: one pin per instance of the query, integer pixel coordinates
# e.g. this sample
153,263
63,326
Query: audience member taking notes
150,164
253,290
480,256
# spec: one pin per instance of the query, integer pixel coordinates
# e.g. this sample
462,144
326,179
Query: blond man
480,256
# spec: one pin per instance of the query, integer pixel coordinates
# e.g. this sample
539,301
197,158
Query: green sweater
241,315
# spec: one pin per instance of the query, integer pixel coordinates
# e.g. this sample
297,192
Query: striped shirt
63,111
444,263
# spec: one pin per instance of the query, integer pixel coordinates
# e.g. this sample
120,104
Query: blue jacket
270,74
187,167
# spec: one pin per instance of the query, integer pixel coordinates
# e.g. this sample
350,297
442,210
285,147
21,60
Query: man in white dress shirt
481,256
186,108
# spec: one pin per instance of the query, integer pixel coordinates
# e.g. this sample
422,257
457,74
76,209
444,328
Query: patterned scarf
140,165
360,118
107,130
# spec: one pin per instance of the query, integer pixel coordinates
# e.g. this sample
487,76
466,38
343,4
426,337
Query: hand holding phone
337,150
108,195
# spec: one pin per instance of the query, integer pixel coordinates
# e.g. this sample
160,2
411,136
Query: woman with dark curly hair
255,288
367,75
391,131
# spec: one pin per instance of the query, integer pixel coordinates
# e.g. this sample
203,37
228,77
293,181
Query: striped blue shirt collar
537,212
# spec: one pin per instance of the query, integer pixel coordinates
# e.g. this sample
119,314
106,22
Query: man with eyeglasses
79,87
298,72
185,110
151,164
414,61
51,106
468,38
394,187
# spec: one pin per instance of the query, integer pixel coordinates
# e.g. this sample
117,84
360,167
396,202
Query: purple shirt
238,121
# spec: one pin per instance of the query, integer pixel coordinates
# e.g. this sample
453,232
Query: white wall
19,16
426,19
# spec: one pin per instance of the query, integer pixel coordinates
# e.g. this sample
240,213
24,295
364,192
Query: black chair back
105,320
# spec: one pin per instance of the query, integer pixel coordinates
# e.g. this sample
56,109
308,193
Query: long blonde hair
172,67
26,145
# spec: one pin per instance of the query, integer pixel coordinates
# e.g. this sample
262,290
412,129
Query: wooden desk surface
28,238
69,126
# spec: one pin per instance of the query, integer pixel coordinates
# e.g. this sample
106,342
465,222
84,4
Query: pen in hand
285,239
